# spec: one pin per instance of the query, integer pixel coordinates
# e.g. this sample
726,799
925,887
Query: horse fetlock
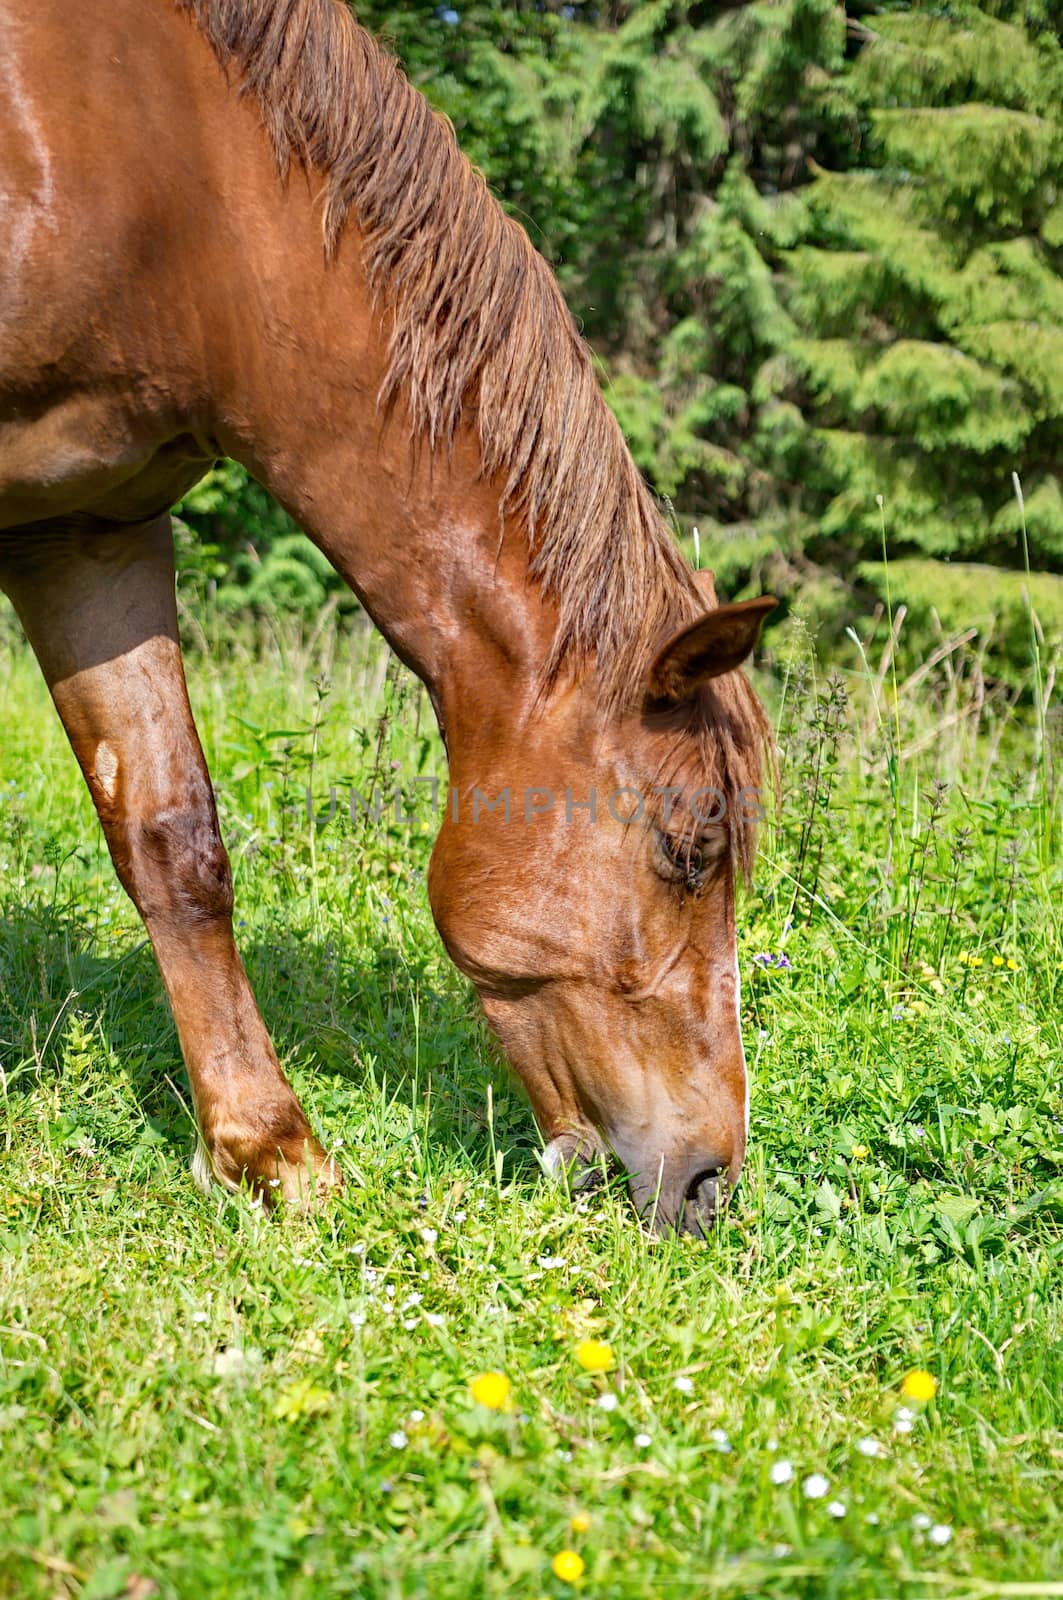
282,1165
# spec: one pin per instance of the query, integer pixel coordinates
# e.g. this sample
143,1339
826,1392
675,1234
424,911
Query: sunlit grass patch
457,1376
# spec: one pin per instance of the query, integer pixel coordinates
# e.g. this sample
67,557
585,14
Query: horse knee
176,865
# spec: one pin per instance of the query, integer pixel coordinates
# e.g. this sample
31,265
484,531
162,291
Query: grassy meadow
196,1400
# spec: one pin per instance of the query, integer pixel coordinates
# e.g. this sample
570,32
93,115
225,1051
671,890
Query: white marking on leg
202,1171
555,1158
106,769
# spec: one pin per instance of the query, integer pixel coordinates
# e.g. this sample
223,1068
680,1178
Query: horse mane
480,333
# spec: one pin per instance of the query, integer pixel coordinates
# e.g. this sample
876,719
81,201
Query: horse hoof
299,1178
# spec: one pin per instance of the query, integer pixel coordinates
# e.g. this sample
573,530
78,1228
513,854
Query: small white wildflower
940,1533
720,1440
389,1290
772,1444
200,1316
643,1441
903,1420
816,1486
781,1472
357,1250
409,1323
835,1509
459,1216
548,1263
357,1319
684,1384
607,1401
398,1440
429,1235
412,1300
416,1416
434,1319
872,1519
233,1360
869,1447
274,1183
921,1522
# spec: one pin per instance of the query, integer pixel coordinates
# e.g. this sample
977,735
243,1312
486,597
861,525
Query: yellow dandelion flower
580,1523
594,1355
490,1389
919,1385
998,961
963,958
975,961
859,1152
1012,966
568,1566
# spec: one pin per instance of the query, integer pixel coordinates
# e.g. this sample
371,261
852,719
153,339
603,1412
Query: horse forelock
480,334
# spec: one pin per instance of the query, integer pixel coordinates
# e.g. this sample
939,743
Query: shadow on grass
378,1037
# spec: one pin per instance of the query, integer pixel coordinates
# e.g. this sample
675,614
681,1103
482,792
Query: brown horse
231,227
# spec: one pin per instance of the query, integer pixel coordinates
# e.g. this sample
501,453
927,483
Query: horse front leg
98,608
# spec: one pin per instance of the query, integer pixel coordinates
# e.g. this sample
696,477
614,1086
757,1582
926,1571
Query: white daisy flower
416,1416
835,1508
815,1486
643,1441
434,1319
398,1440
940,1533
781,1472
429,1235
230,1361
869,1447
684,1384
607,1401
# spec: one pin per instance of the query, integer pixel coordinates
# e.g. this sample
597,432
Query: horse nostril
702,1201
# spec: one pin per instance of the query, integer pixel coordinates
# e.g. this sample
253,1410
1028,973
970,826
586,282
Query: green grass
198,1401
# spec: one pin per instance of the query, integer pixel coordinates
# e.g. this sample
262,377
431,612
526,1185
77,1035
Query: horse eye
684,858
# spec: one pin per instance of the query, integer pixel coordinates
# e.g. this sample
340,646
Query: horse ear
717,643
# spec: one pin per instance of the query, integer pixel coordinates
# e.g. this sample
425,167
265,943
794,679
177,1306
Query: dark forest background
819,255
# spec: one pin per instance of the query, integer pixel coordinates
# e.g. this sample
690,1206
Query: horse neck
298,361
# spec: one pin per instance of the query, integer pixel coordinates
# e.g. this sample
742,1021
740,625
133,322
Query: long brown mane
479,330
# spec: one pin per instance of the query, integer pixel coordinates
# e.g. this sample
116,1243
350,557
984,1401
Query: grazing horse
231,227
